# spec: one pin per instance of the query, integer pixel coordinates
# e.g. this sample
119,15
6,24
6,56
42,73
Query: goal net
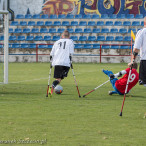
4,24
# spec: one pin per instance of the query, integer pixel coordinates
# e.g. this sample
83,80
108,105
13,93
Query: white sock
144,85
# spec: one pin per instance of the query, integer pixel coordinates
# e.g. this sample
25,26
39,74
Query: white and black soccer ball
58,89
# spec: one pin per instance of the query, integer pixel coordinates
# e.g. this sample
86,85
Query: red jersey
121,83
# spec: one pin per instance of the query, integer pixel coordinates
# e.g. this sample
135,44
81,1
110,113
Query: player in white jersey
60,55
140,44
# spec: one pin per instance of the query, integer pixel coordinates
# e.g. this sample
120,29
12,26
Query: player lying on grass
119,85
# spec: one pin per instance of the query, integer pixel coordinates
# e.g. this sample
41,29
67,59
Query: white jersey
140,43
61,51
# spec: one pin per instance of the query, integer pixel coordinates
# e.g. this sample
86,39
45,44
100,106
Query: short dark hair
66,33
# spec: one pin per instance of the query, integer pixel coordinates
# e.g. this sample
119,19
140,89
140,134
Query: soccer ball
58,89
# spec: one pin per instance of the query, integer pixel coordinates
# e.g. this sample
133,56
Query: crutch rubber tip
46,95
120,114
79,96
84,95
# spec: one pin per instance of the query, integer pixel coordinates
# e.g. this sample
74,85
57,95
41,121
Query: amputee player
140,44
60,55
119,85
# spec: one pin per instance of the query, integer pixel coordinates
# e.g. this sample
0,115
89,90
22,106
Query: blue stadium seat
10,30
104,30
65,23
12,38
138,29
28,16
100,38
1,38
126,23
38,38
40,23
35,30
109,23
69,16
86,16
127,38
56,38
48,23
18,30
112,16
88,46
96,30
20,16
1,46
78,30
91,23
130,16
26,30
23,23
36,16
60,30
31,23
43,30
139,16
95,16
74,23
78,16
83,38
109,38
21,38
50,46
44,16
91,38
100,23
142,23
96,46
61,16
52,30
15,45
29,38
70,30
114,47
135,23
74,38
42,46
118,23
105,46
87,30
82,23
14,23
104,16
121,16
79,46
114,30
133,29
32,46
24,46
47,38
118,38
122,30
124,47
57,23
53,16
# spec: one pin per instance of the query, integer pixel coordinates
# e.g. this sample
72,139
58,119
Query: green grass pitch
27,117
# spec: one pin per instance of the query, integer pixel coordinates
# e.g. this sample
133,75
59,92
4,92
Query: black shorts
142,71
61,71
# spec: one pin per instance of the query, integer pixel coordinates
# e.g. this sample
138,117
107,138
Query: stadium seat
36,16
124,47
100,23
142,23
57,23
86,16
87,30
104,16
35,30
40,23
104,30
18,30
29,38
127,38
114,30
95,16
139,16
126,23
69,16
135,23
47,38
113,16
31,23
70,30
121,16
44,16
60,30
24,46
79,16
12,38
48,23
61,16
114,47
20,16
96,46
53,16
118,23
74,23
78,30
109,38
26,30
14,23
38,38
100,38
15,45
74,38
91,38
91,23
10,30
130,16
82,23
122,30
109,23
65,23
21,38
32,46
1,46
105,46
28,16
118,38
133,29
79,46
43,30
56,38
23,23
83,38
52,30
50,46
138,29
42,46
1,38
96,30
87,46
